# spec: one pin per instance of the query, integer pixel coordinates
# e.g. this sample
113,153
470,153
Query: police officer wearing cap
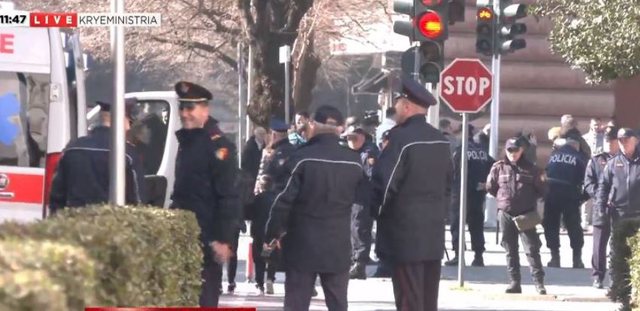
82,175
412,182
479,165
601,222
618,193
311,214
565,174
206,184
517,184
361,220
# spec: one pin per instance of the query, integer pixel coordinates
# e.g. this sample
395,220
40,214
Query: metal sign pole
117,155
240,104
285,57
463,197
491,208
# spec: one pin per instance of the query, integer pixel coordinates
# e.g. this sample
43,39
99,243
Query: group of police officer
319,189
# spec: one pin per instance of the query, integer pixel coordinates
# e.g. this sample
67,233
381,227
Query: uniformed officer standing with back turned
565,172
411,188
313,213
82,175
479,164
206,184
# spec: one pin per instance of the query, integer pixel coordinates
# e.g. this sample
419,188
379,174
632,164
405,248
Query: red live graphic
169,309
49,19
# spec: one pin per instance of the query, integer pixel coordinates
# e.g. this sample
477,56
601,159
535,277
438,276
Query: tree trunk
305,74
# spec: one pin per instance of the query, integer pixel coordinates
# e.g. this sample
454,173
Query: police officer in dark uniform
313,213
282,150
361,220
206,184
82,175
601,222
412,182
272,180
517,184
479,165
565,174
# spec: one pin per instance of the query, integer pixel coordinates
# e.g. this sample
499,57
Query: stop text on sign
461,85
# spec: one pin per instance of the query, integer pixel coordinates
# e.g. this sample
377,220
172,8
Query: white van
42,107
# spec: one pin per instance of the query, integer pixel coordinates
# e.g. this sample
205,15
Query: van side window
24,111
148,133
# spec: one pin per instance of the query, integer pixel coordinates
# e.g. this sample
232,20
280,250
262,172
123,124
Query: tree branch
228,60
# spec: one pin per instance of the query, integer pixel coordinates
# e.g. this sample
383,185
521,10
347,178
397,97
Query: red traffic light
485,14
430,25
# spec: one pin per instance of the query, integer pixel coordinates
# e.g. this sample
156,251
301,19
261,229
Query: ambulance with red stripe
42,107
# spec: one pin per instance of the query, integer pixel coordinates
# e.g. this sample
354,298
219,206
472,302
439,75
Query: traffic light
432,19
429,19
485,29
431,61
508,27
405,28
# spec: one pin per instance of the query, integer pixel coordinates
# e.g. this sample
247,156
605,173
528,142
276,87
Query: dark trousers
261,265
601,236
361,224
475,221
415,285
211,283
569,210
299,285
531,244
232,266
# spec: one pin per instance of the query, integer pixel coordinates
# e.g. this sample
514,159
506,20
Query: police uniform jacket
275,166
411,183
82,175
594,171
205,182
479,164
565,173
517,187
314,208
619,187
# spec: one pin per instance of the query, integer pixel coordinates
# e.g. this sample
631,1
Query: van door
24,105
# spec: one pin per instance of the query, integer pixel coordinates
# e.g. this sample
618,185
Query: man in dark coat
601,222
361,220
479,165
411,194
82,175
313,213
517,184
565,172
206,184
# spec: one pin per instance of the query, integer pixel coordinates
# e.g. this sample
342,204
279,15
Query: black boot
514,285
577,259
358,271
452,262
539,283
514,288
478,261
555,259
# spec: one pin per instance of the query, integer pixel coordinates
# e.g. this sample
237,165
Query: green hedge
66,272
624,240
143,256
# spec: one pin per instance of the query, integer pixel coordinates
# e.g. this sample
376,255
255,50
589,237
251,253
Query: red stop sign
466,85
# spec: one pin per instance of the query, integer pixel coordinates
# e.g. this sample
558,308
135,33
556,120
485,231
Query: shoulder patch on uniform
215,137
222,154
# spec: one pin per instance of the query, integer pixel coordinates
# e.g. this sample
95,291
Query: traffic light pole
463,198
491,208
